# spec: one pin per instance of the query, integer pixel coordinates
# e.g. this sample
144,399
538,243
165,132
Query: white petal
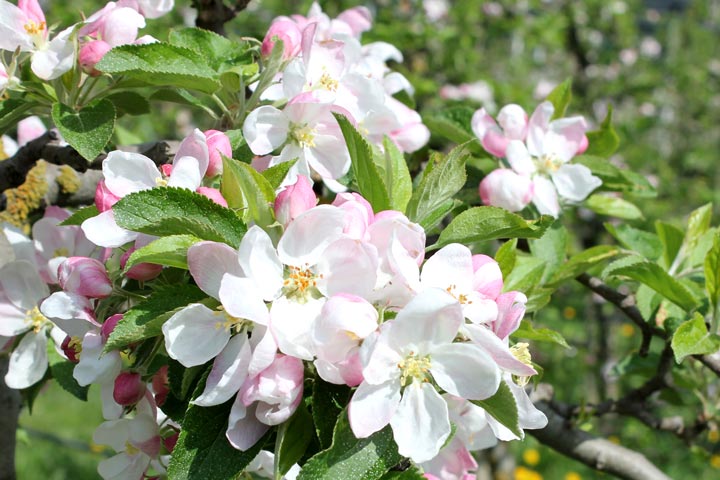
309,235
348,266
465,370
72,313
195,146
259,260
449,266
208,262
28,362
498,350
241,299
421,424
265,129
127,173
12,319
519,158
292,324
228,372
372,407
545,197
538,126
244,430
433,317
102,230
110,409
185,174
56,57
22,285
12,31
94,366
124,467
529,416
195,335
575,182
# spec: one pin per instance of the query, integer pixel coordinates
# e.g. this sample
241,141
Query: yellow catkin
26,198
68,180
531,457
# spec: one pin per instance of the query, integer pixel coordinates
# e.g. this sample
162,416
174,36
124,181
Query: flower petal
28,362
208,262
465,370
195,335
575,182
265,129
228,372
372,407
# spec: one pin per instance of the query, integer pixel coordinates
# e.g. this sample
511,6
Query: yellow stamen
522,352
34,28
328,83
131,449
304,135
414,367
35,318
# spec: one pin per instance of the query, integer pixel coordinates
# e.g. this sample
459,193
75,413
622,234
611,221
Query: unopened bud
288,32
104,198
213,194
129,389
294,200
141,271
218,145
84,276
109,325
90,54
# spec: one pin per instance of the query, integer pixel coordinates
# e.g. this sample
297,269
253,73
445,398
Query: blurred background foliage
657,62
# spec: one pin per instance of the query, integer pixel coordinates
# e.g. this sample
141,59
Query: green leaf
12,111
182,380
370,183
328,401
560,98
277,173
693,338
503,408
698,224
62,372
145,319
203,451
506,256
645,243
613,206
79,216
130,103
652,275
162,64
605,141
712,277
584,261
444,176
293,438
87,130
165,211
551,248
219,52
257,193
526,275
397,176
454,123
170,251
479,224
615,179
672,239
529,332
349,457
412,473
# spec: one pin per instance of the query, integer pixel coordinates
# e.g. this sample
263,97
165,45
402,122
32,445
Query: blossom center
328,83
61,252
34,28
522,353
548,163
35,318
300,283
303,135
414,367
460,297
131,449
229,322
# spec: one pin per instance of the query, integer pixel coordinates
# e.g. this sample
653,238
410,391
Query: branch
213,14
10,411
597,453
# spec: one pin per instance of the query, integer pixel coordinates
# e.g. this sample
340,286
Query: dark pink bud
218,144
90,54
71,347
104,198
142,271
84,276
161,385
166,169
171,441
129,389
584,143
109,325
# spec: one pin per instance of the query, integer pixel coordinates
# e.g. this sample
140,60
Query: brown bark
9,412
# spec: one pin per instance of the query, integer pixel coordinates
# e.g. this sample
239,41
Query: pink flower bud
218,143
166,169
171,441
294,200
109,325
161,385
129,388
142,271
90,54
584,143
71,347
104,198
84,276
288,32
213,194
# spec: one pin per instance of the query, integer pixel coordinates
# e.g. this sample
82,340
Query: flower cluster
538,152
24,28
327,70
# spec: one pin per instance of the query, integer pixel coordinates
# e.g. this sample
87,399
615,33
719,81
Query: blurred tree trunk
9,412
213,14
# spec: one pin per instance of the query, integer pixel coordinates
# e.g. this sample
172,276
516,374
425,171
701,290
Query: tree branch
595,452
9,413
